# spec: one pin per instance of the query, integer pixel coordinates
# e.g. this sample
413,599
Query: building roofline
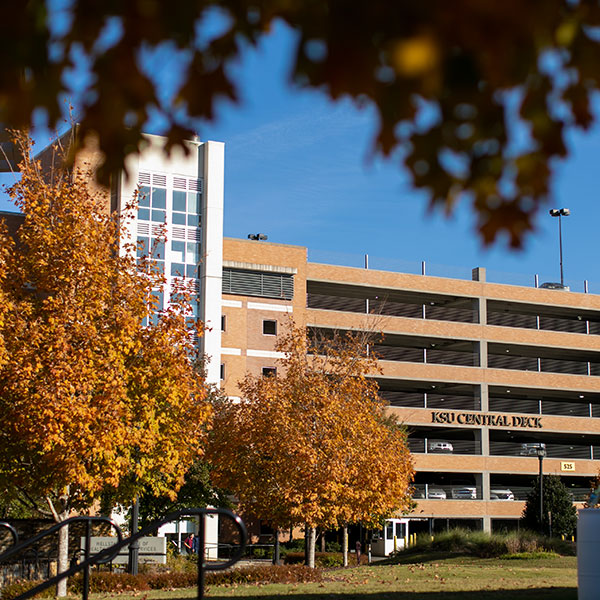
264,243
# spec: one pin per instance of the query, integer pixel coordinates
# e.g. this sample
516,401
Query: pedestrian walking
191,544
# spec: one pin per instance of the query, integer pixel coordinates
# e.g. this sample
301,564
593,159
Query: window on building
152,203
269,327
222,373
157,305
223,322
185,257
269,371
400,530
151,249
186,208
174,250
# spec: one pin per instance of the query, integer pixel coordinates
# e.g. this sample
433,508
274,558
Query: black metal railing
17,548
107,554
447,446
426,355
387,307
11,530
498,492
553,450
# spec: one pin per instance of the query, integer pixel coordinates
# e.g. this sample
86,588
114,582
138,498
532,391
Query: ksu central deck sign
463,418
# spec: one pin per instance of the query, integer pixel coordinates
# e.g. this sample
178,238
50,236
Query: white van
441,447
532,449
501,495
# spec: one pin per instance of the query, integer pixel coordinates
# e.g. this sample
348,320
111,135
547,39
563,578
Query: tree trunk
306,544
63,555
322,540
276,547
312,539
345,545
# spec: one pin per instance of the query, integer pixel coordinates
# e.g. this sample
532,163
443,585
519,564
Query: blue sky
299,169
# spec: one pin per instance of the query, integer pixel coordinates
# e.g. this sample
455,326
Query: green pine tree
557,502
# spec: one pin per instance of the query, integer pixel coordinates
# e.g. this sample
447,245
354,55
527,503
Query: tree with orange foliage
92,398
313,445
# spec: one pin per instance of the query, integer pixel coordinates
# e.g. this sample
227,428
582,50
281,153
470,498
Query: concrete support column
480,305
487,524
211,160
480,309
485,441
484,398
483,480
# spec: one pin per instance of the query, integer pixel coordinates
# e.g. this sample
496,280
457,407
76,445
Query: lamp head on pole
559,212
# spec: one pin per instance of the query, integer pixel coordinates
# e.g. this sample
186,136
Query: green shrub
296,545
293,558
18,587
333,547
161,581
102,582
115,583
321,558
324,559
529,555
485,545
265,574
329,560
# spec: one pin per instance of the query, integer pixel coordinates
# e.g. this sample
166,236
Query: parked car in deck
436,494
532,448
441,447
501,494
464,492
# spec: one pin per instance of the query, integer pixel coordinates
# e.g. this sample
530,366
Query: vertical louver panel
568,325
594,327
506,319
398,398
517,405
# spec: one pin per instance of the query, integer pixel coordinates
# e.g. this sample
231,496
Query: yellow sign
567,466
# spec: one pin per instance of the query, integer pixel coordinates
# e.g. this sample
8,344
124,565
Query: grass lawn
454,578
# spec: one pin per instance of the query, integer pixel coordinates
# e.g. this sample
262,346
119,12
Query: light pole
134,547
560,213
541,452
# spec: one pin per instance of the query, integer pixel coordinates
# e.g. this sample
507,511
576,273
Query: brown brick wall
245,332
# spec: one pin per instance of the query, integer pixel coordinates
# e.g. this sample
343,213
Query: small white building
393,536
